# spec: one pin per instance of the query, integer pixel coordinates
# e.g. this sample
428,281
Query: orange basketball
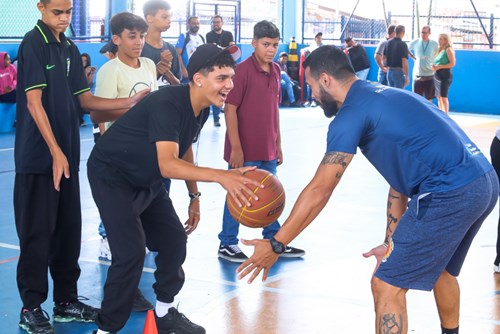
269,206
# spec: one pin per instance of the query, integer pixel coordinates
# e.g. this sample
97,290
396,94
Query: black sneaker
175,322
35,321
141,304
74,311
232,253
293,252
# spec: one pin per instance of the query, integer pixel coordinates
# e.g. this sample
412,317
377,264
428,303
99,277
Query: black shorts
442,82
424,86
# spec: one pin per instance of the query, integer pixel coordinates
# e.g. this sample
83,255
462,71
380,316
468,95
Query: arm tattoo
388,324
391,220
335,158
391,198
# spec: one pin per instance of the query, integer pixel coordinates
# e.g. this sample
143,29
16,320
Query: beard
194,30
329,105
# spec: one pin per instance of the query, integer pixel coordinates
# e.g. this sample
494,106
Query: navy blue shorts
435,234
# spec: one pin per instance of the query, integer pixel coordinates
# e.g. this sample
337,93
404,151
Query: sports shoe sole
290,255
231,259
59,318
26,328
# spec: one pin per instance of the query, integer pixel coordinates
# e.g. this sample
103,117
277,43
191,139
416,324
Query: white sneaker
496,268
104,251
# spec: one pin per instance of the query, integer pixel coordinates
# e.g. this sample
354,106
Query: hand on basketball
378,252
193,216
239,186
262,258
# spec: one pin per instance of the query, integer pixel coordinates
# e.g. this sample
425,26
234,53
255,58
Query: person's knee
385,292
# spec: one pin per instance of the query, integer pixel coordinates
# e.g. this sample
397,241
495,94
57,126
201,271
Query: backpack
187,39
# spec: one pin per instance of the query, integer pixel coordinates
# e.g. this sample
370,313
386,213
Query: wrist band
194,196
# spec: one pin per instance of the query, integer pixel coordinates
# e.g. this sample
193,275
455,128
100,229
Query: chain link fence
468,29
468,26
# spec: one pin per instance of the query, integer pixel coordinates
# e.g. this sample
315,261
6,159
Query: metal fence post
492,28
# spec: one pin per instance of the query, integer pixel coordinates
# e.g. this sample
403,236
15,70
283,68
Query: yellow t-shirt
115,79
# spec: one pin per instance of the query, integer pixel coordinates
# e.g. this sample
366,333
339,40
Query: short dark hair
217,17
400,29
224,59
347,39
428,28
126,20
391,29
331,60
152,7
191,18
264,29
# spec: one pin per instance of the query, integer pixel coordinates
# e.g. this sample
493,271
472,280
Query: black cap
109,47
318,34
206,53
347,39
283,54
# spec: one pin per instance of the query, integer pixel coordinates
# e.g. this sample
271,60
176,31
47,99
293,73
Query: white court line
9,246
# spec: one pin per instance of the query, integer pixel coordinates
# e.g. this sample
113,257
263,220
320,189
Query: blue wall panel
475,87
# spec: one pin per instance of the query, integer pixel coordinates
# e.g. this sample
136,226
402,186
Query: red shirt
256,96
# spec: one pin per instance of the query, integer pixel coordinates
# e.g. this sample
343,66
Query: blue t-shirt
416,147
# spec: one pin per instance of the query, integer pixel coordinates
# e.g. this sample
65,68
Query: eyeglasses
424,32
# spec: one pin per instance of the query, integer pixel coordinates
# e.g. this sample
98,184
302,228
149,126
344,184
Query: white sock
161,308
100,331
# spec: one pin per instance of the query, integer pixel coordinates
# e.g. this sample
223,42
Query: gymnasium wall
474,89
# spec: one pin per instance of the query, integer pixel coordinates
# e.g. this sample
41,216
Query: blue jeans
396,78
230,227
286,85
363,74
382,77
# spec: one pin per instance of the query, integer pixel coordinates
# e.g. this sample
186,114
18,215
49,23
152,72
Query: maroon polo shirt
256,96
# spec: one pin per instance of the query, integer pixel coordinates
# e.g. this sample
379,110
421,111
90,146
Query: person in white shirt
424,50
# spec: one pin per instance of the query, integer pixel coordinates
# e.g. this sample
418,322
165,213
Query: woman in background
8,79
443,62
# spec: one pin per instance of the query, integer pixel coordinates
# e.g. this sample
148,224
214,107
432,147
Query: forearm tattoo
335,158
391,220
389,325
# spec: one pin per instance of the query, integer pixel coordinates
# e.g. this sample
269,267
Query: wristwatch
194,196
277,246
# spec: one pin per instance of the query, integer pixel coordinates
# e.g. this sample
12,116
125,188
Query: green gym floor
327,291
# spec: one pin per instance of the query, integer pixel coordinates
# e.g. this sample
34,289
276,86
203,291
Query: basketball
269,206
